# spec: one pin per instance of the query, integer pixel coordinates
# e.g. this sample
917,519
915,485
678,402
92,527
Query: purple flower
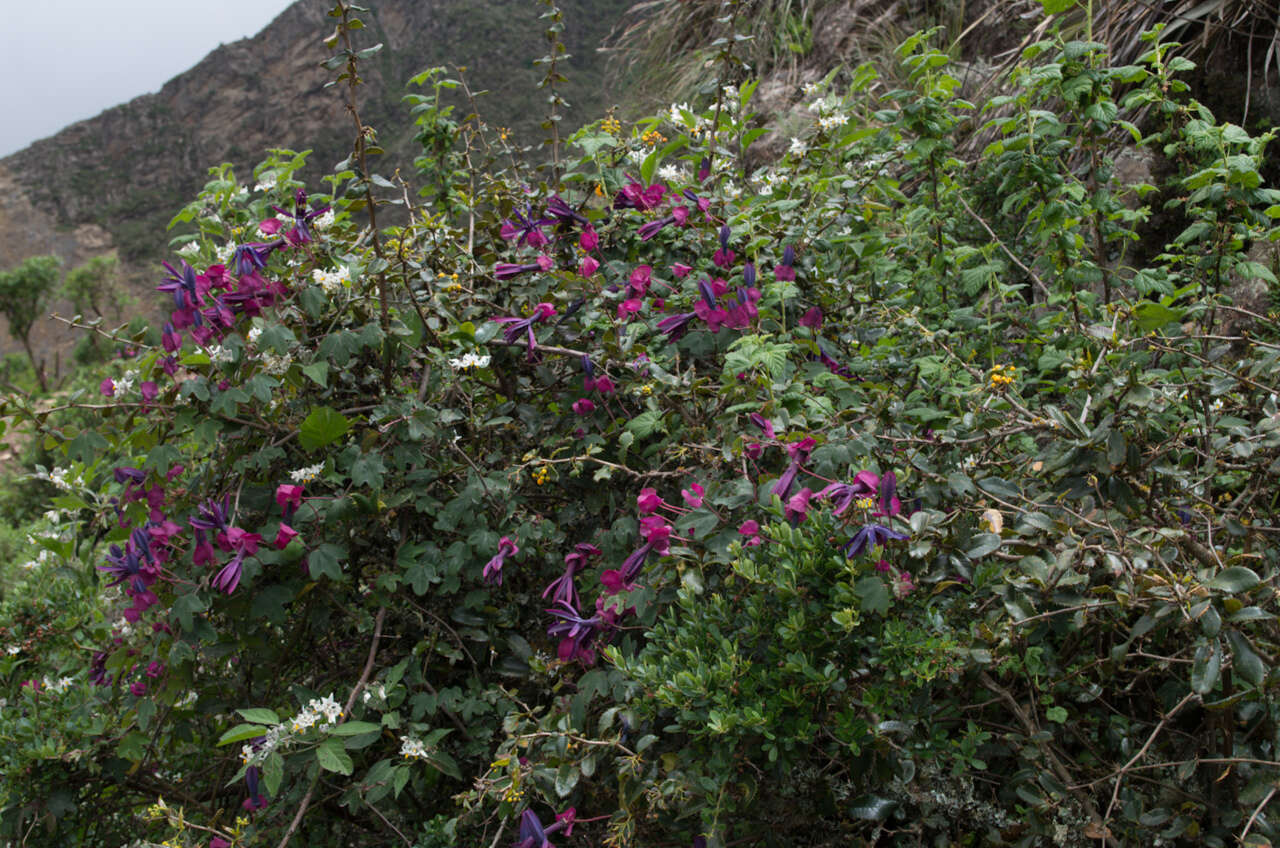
865,483
302,217
526,229
635,196
784,270
565,214
812,318
675,326
562,589
797,509
507,270
125,472
516,326
869,538
679,215
575,632
256,800
493,569
532,834
799,454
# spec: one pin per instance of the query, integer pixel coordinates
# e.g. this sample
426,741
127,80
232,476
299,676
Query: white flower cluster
306,475
324,222
379,692
225,252
318,708
266,182
270,741
41,559
412,748
191,248
771,182
187,699
125,383
830,122
59,686
672,174
332,281
276,365
637,157
253,335
63,478
470,360
798,147
217,354
811,88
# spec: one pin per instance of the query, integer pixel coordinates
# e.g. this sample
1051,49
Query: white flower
253,335
811,88
13,649
304,720
225,252
266,182
637,157
470,360
798,147
332,709
332,281
672,174
306,475
217,354
276,365
412,748
829,122
324,222
191,248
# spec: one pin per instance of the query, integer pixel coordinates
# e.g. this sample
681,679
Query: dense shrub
640,500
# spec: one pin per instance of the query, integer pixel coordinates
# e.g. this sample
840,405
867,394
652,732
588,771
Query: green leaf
874,594
318,372
273,773
241,732
368,471
444,763
985,543
400,778
259,716
1245,660
1153,316
326,560
1206,669
332,757
1237,578
355,728
323,426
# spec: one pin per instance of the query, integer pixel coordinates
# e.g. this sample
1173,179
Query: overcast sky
66,60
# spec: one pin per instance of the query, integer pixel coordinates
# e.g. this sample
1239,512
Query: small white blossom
798,147
811,88
671,174
306,475
225,252
191,248
332,281
276,365
266,182
412,748
253,335
470,360
13,649
829,122
217,354
324,222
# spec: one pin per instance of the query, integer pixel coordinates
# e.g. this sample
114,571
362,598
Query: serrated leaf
333,758
323,426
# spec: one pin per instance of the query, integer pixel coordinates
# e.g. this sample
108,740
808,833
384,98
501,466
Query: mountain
114,181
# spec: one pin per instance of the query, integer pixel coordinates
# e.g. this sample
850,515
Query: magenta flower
647,502
723,258
812,318
588,266
799,452
170,339
562,588
493,569
680,270
797,509
575,632
765,425
589,239
526,229
284,536
750,530
629,307
679,215
288,498
149,390
639,281
693,495
516,326
107,387
507,270
904,585
635,196
138,688
656,532
583,406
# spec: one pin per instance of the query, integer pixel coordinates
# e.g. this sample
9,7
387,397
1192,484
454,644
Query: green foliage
23,293
1058,624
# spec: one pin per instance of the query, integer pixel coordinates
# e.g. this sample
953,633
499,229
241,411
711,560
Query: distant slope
115,180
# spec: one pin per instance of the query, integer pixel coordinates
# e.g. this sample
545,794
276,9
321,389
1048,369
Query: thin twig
351,700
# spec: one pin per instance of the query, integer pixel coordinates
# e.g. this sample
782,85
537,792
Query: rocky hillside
114,181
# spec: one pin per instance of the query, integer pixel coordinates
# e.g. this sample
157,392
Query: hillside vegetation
892,494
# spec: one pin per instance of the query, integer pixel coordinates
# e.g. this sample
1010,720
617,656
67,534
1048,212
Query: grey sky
67,60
